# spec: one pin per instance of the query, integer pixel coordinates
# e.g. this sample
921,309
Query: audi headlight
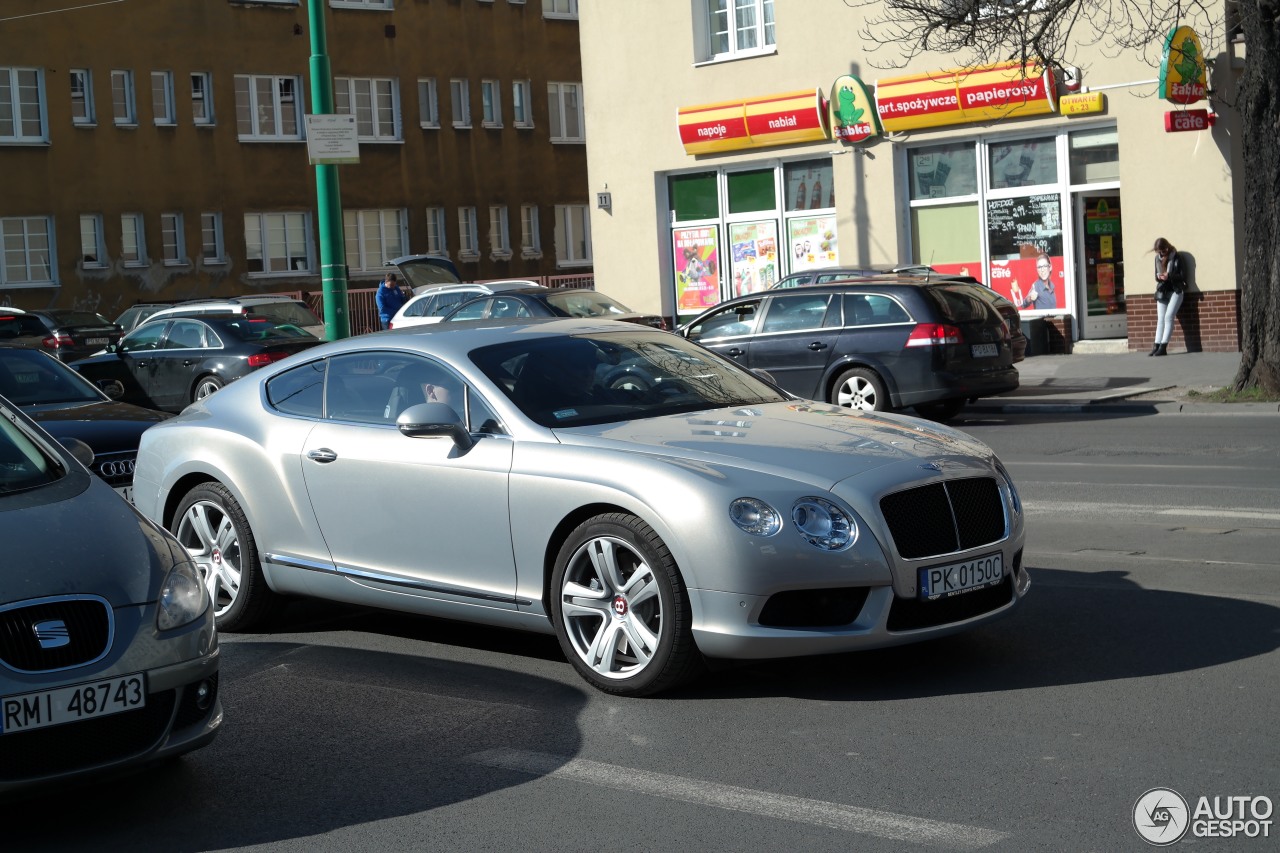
823,524
183,598
755,516
1015,501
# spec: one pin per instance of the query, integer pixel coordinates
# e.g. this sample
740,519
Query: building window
162,97
1094,155
567,9
360,4
202,97
521,108
211,251
267,107
123,110
22,108
28,250
573,235
171,238
491,99
374,237
459,95
566,112
133,241
91,254
468,239
82,98
530,239
499,236
728,29
428,103
276,243
436,243
374,104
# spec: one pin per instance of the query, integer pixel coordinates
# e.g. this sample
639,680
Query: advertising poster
697,268
812,241
754,247
1032,284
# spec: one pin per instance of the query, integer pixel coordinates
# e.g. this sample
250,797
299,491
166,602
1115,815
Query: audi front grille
115,468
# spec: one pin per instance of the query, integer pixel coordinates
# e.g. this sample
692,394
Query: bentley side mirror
434,420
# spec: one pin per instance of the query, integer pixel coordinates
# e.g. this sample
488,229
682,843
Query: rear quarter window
957,306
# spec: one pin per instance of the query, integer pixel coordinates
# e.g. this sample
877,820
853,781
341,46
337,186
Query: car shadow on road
1072,628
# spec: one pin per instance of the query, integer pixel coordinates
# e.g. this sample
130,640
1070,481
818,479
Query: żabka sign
756,123
959,95
1182,69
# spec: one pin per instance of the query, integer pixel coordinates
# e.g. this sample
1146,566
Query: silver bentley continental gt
519,475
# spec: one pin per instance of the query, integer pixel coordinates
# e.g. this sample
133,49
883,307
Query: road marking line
882,824
1147,509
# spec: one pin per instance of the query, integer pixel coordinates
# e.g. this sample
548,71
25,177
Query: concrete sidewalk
1115,383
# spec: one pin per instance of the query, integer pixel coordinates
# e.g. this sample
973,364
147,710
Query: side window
472,311
186,334
446,302
728,322
358,386
144,338
885,309
299,391
795,312
418,307
505,306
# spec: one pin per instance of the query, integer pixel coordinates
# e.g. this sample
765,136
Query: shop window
694,196
809,185
1094,155
943,235
943,171
1023,163
751,191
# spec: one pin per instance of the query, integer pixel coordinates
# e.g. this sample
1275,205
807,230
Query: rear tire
205,386
940,410
861,388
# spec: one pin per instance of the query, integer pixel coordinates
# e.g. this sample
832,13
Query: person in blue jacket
390,300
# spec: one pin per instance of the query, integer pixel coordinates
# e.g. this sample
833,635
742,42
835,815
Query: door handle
322,455
186,362
733,353
144,364
817,345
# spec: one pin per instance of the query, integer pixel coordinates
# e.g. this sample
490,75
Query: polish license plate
125,492
945,581
97,342
986,350
29,711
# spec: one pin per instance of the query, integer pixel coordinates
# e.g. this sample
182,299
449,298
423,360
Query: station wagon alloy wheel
859,388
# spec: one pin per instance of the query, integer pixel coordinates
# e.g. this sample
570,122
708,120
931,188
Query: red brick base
1206,322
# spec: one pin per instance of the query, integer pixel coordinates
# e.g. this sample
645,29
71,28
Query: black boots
1161,349
1155,348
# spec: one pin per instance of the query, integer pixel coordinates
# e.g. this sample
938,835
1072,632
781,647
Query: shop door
1100,261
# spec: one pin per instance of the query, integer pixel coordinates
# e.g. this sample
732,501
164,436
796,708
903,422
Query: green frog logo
848,114
1190,69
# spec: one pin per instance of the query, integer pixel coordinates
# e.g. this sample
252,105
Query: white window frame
82,79
387,230
162,110
124,108
14,84
559,112
530,232
460,102
91,243
491,103
202,98
565,10
211,236
173,242
428,103
297,242
279,98
437,236
133,240
499,233
468,235
16,251
720,39
567,220
369,5
363,97
522,103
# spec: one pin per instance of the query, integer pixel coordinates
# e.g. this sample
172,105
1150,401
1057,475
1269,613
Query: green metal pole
333,250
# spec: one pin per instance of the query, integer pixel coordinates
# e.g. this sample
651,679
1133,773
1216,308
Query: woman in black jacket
1171,284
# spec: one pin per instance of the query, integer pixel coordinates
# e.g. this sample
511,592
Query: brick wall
1206,322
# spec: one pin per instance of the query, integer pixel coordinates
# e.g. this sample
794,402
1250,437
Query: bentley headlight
1015,501
183,598
823,524
755,516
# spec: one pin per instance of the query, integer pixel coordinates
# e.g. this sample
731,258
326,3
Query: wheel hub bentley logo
619,606
116,469
52,633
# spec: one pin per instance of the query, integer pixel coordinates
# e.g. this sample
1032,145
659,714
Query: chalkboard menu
1024,227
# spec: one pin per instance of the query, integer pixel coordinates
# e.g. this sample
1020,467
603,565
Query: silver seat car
701,514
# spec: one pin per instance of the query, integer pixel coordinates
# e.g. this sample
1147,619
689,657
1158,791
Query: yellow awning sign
962,95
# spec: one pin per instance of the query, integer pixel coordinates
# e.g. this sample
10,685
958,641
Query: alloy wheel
858,392
213,542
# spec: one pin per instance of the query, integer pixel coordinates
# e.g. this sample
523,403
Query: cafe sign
1182,70
963,95
782,119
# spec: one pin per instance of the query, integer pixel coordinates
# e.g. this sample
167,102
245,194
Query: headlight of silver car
823,524
755,516
183,598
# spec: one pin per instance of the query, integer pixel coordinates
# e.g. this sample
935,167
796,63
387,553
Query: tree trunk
1259,99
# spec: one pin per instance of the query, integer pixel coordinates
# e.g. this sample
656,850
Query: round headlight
183,597
1015,500
755,516
823,524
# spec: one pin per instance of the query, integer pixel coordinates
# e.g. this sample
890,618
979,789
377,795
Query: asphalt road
1146,656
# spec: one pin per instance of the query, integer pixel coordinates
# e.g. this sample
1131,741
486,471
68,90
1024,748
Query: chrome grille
943,518
115,468
55,633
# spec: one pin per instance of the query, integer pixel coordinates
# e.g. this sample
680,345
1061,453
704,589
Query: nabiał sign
961,95
1182,70
761,122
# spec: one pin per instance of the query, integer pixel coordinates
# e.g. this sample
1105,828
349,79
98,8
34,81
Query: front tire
620,608
212,527
860,388
206,386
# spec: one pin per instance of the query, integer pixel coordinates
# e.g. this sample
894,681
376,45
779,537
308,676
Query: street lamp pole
333,253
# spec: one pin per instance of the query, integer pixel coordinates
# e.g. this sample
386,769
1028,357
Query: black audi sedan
524,303
876,344
170,362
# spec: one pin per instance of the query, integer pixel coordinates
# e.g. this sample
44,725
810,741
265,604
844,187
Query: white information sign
331,140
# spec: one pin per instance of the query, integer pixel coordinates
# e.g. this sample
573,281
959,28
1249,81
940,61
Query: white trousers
1165,312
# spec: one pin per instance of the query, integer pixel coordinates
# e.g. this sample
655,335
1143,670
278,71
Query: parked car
712,516
171,361
68,406
531,302
826,275
433,303
424,272
108,650
138,313
20,329
284,310
71,334
874,344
